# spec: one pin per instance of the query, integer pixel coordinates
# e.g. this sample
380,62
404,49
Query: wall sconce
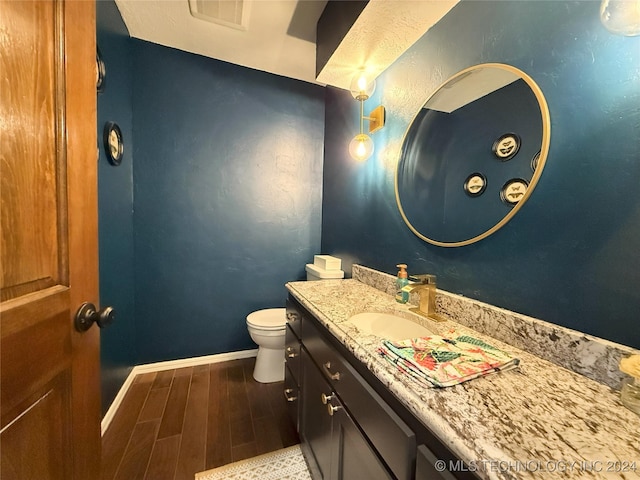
362,87
621,17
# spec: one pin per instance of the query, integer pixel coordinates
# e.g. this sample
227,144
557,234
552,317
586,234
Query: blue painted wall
115,199
227,170
570,256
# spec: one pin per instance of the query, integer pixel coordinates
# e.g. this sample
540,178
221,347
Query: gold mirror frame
544,150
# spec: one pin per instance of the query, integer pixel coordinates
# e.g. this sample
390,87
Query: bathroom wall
227,171
115,199
570,255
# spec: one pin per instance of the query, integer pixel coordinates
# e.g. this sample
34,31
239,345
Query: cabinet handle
291,353
331,409
326,398
332,376
288,391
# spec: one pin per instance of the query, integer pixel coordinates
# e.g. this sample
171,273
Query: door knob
87,315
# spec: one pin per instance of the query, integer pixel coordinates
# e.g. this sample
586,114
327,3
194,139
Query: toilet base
269,365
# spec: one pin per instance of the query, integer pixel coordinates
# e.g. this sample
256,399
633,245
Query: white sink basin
388,326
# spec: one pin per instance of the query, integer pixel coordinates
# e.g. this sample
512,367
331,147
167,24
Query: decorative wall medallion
113,143
534,161
475,184
506,147
513,191
101,71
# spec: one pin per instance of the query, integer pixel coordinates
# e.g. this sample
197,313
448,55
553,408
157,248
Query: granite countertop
536,421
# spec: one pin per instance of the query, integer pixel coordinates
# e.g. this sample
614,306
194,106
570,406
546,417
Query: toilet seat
268,319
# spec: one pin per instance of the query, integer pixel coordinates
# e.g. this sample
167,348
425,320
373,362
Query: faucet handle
425,279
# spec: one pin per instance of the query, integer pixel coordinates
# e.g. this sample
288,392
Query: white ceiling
384,30
280,36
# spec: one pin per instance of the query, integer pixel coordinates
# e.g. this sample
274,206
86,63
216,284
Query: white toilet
268,327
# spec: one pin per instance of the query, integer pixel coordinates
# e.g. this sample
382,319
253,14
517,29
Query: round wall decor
113,143
475,184
101,71
506,147
513,191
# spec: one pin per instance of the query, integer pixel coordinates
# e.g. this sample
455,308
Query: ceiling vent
230,13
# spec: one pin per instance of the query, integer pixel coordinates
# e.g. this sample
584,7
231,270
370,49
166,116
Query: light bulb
621,17
361,147
362,82
362,87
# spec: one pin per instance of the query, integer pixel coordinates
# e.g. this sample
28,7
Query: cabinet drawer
328,360
292,396
294,318
391,437
292,354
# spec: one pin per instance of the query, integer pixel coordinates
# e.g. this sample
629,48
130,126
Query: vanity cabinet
355,403
335,447
350,425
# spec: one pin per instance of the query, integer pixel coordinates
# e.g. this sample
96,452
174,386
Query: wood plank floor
175,423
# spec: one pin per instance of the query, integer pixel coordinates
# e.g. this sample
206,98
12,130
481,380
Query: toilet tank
316,273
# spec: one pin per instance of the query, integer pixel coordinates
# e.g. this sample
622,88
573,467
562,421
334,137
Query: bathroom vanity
358,417
348,430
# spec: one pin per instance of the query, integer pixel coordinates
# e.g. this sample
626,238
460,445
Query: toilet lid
268,319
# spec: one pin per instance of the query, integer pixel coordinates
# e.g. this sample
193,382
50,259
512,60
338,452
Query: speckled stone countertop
537,421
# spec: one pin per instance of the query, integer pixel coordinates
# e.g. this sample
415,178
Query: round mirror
472,155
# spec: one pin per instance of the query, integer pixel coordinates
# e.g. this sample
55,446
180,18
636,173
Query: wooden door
49,373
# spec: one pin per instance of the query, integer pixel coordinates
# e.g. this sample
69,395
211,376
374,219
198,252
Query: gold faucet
425,287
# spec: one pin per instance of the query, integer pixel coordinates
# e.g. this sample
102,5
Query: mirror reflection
472,155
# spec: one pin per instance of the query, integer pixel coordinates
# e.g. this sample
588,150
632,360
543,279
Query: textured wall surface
570,255
228,169
115,200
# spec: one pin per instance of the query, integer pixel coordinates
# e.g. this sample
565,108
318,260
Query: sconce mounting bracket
376,119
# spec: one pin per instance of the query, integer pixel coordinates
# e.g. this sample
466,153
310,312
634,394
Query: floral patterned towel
443,361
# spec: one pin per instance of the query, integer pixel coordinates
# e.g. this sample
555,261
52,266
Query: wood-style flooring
175,423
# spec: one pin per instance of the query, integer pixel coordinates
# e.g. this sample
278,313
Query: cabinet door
353,457
294,317
315,422
292,353
292,396
429,467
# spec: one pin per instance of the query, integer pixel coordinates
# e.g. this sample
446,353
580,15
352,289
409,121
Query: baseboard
190,362
168,365
106,420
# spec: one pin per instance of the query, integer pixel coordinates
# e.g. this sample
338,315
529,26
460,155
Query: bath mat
285,464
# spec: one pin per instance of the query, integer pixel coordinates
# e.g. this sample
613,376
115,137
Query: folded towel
444,361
